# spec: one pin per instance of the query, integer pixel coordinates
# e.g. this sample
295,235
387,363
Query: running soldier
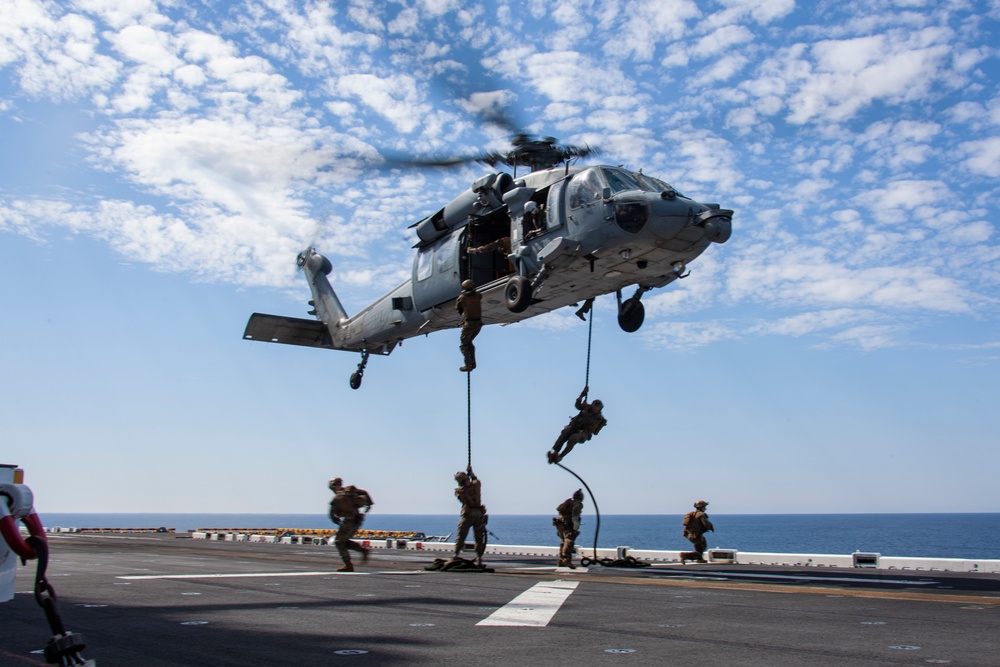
581,428
344,512
469,306
469,493
568,527
696,524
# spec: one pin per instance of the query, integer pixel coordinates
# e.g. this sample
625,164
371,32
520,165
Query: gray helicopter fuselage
593,230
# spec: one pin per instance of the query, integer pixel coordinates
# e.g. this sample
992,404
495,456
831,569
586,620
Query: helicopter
559,234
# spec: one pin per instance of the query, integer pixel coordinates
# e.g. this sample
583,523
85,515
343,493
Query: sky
161,164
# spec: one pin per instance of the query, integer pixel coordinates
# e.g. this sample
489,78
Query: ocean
970,535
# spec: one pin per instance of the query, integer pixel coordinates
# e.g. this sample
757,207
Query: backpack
359,497
689,519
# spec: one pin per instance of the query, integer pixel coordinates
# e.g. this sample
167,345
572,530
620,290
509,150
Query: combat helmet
468,285
335,481
578,494
701,504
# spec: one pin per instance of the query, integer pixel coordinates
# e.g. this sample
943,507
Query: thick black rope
468,396
590,335
597,511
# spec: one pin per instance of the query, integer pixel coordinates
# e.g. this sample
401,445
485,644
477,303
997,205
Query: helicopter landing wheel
517,294
358,374
631,315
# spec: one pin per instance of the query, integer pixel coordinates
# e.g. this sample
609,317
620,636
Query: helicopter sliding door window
425,262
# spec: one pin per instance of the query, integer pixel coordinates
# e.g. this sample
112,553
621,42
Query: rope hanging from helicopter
627,561
468,412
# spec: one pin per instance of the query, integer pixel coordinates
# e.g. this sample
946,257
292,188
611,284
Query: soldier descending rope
469,305
581,428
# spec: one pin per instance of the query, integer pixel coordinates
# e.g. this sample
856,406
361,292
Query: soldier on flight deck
696,524
469,493
344,512
568,527
581,428
469,305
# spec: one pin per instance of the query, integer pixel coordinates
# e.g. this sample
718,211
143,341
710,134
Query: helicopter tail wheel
631,315
517,294
358,374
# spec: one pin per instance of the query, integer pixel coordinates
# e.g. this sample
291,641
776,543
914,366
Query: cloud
982,156
57,56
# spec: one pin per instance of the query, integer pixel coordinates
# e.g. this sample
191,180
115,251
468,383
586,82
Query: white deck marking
224,576
534,607
260,574
714,574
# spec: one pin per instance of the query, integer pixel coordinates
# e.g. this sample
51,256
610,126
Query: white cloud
53,55
642,24
394,98
982,156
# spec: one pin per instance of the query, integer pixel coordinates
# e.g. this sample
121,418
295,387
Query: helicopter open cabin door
436,272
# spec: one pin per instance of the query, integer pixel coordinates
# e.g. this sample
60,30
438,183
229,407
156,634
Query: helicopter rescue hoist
557,235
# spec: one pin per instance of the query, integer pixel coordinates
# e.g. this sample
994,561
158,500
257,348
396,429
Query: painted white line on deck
535,607
715,574
260,574
225,576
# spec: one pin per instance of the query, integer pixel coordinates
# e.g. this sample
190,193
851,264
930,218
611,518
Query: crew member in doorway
581,428
696,524
469,306
470,493
532,223
568,527
345,512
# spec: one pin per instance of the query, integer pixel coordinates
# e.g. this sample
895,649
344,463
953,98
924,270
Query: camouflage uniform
469,305
581,428
469,493
696,524
501,245
344,512
568,527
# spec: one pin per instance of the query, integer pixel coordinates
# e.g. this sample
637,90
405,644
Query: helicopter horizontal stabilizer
287,330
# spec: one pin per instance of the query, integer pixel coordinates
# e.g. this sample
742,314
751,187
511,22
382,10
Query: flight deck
163,599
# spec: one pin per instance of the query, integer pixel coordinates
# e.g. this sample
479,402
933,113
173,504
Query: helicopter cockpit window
620,180
585,188
655,184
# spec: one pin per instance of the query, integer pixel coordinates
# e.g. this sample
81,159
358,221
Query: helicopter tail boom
326,305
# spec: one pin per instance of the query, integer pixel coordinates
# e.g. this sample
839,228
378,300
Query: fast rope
627,561
590,336
597,510
468,411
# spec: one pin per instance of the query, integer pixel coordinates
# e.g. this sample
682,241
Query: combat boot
348,567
